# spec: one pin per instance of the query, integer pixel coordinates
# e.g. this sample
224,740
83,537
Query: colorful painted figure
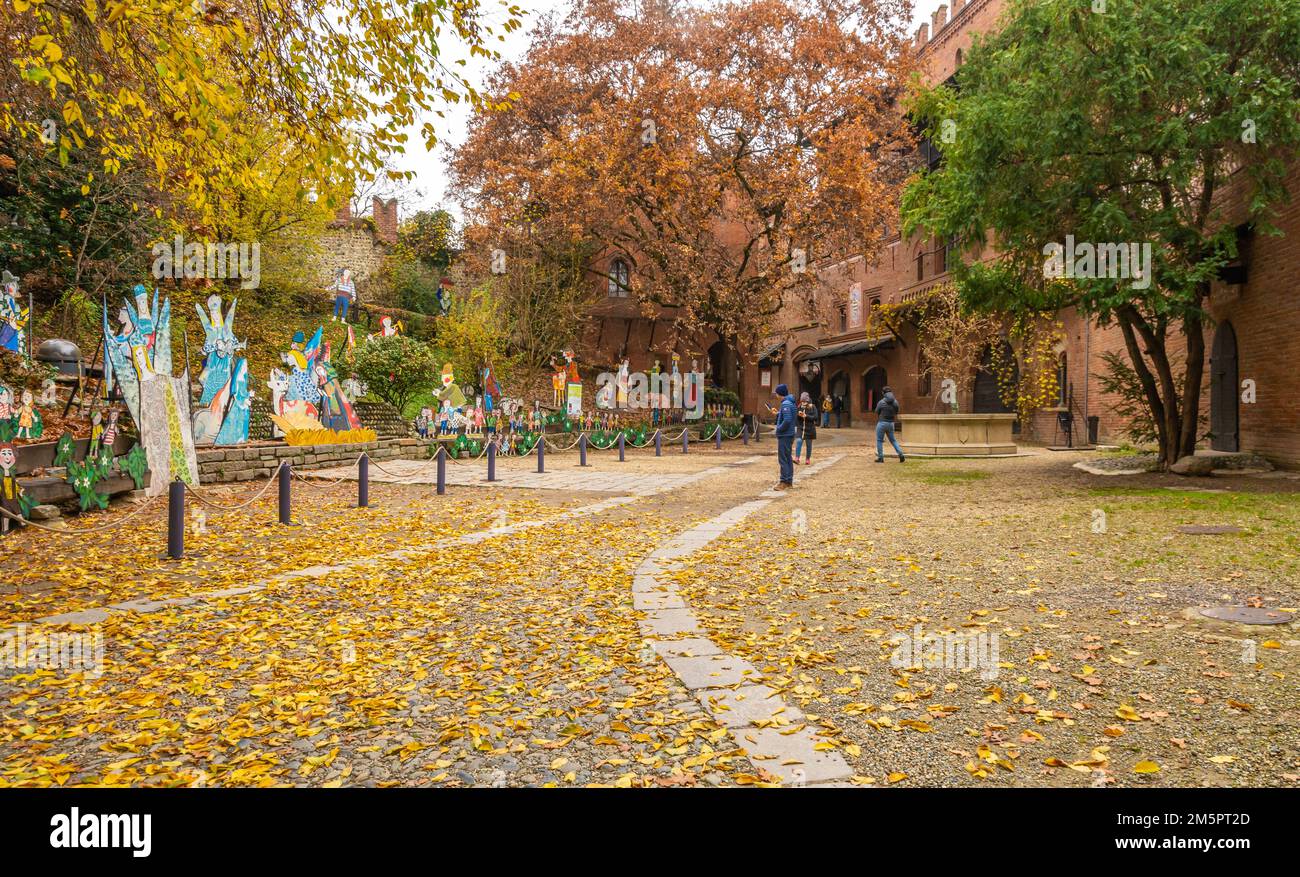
335,410
13,316
141,349
12,498
219,395
29,419
234,426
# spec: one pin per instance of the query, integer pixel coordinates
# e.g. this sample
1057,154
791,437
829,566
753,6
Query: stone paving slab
646,600
669,622
686,647
147,606
711,671
85,616
713,675
749,704
791,756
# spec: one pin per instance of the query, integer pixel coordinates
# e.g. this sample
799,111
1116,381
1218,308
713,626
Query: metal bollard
176,520
620,448
686,439
717,438
442,469
492,461
286,476
582,449
541,453
363,481
659,443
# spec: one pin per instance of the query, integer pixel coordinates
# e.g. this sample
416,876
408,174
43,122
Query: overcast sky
430,174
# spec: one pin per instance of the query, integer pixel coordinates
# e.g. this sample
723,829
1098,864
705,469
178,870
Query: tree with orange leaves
722,150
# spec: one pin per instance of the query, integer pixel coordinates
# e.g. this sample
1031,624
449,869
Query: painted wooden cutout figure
12,498
139,360
387,328
13,316
221,396
295,396
28,419
141,349
335,410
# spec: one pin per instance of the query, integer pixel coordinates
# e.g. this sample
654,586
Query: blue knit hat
782,390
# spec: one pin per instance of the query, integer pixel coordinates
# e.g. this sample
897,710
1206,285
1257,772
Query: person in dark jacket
886,414
807,416
785,431
838,405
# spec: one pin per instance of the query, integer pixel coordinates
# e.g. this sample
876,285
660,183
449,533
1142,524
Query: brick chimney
922,35
344,213
940,18
385,216
957,6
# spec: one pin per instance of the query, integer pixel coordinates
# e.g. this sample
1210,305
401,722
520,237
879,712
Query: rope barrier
193,491
76,531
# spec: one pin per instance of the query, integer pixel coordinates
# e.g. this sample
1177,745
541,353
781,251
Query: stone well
957,435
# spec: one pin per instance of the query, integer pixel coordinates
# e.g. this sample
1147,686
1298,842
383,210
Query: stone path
769,729
465,474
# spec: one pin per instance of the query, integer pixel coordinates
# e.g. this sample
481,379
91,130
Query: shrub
396,369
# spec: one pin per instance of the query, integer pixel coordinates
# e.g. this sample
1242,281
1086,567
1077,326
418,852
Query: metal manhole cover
1208,529
1247,615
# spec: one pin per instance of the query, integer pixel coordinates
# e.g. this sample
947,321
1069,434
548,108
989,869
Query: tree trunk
1194,330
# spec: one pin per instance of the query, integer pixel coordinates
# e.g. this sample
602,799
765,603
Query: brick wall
1262,312
247,462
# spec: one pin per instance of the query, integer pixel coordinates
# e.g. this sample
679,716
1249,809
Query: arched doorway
986,398
718,375
874,381
1224,426
839,386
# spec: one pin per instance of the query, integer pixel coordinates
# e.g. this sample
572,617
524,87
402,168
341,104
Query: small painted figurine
29,419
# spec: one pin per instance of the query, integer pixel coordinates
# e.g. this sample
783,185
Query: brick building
1255,334
618,327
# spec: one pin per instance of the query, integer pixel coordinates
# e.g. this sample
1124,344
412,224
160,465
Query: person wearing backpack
886,414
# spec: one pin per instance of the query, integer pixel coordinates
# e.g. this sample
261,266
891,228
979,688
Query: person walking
826,410
785,431
807,428
886,414
838,407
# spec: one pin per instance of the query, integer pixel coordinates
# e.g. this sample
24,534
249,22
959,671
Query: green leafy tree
474,334
397,369
1127,126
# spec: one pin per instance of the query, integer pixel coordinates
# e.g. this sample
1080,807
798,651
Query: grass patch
948,476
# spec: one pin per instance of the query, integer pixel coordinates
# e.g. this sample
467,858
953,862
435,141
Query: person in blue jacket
785,430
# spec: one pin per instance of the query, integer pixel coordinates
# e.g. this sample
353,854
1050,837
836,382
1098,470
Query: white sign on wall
855,305
765,378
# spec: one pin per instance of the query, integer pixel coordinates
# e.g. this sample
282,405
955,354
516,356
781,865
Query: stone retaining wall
244,463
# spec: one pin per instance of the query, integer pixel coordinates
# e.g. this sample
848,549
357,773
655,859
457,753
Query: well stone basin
957,435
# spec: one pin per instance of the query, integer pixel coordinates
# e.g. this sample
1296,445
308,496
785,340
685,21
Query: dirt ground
514,657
